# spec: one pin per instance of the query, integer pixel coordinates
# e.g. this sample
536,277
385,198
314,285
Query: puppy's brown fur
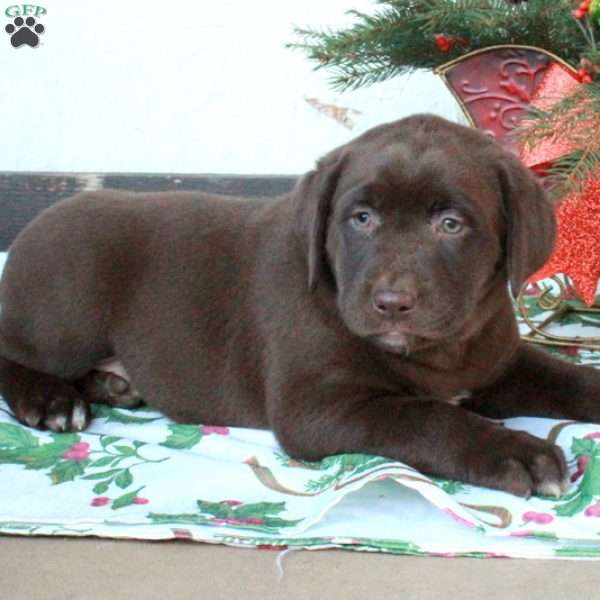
367,311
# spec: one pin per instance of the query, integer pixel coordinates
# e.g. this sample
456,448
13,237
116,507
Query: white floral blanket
135,474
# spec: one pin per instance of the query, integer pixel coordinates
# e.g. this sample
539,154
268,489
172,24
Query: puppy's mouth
393,338
397,341
404,339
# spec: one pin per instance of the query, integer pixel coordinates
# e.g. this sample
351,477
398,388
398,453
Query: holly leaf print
182,437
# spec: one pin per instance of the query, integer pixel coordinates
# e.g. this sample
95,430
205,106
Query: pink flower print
182,534
595,435
232,502
253,521
271,547
80,447
79,451
582,463
533,289
537,517
458,518
208,429
140,500
593,510
522,533
100,501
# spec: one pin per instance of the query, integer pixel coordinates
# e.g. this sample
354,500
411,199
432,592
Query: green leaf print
179,519
581,446
14,436
126,499
346,467
38,456
258,509
183,437
578,551
277,523
257,516
589,486
113,415
66,470
64,458
125,450
124,479
104,461
451,487
107,440
398,546
101,487
544,535
102,474
217,509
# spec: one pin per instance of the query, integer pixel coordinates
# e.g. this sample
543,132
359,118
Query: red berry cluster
582,10
443,43
584,76
446,43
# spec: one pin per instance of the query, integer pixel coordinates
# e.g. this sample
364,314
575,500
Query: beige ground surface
49,568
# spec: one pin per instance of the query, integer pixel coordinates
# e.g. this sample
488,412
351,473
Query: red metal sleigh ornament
495,87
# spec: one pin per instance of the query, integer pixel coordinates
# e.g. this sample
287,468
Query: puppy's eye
362,218
451,225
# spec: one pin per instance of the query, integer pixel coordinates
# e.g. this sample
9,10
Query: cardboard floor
82,569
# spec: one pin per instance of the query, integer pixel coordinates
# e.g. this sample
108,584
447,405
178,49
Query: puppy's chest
449,390
454,384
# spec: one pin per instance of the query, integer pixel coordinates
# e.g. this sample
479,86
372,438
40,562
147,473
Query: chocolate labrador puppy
367,311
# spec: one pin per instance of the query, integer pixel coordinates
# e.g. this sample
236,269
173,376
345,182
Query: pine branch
575,122
401,36
570,173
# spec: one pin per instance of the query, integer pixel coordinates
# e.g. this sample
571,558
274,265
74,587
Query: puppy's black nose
391,303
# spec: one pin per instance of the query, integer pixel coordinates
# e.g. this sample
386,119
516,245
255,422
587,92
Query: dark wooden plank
23,195
214,184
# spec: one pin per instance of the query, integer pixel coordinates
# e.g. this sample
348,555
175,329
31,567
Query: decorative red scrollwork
495,86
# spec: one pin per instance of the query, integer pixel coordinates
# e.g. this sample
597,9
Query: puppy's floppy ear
312,197
530,221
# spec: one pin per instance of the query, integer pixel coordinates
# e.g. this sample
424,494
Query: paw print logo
24,32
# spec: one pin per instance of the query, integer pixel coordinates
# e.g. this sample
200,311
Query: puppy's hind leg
42,401
106,387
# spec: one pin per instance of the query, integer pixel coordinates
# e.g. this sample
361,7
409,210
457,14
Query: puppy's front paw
47,402
520,464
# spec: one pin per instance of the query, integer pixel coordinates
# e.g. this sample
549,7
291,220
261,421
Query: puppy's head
415,224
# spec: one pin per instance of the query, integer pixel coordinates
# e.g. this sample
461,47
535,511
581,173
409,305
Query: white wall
185,86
